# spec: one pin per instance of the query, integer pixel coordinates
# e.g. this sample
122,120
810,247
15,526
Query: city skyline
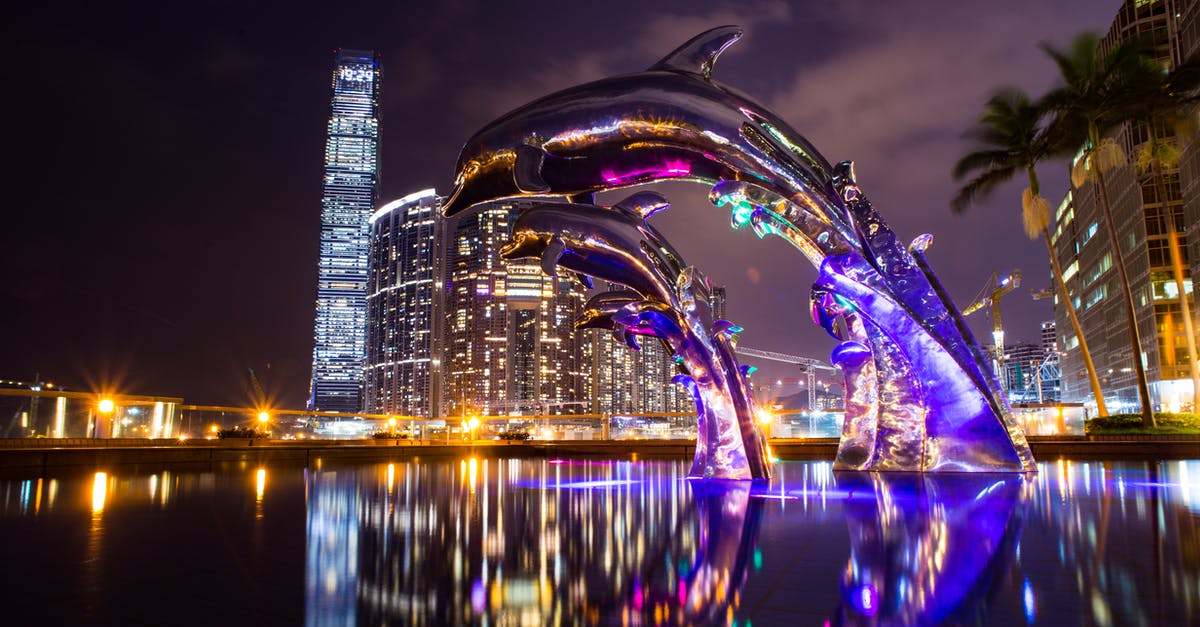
180,287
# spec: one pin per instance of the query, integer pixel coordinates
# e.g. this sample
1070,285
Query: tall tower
510,337
405,309
350,193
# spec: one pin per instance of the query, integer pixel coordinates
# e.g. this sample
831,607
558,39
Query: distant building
1049,338
1139,210
719,303
1031,373
627,381
350,193
405,308
510,338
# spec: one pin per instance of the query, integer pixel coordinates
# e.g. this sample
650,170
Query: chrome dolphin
667,300
672,121
924,398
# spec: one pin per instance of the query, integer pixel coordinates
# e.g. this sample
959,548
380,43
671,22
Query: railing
57,414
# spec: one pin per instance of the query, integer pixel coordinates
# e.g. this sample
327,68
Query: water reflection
547,541
927,549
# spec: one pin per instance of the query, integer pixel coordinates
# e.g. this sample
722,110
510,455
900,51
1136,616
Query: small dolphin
613,244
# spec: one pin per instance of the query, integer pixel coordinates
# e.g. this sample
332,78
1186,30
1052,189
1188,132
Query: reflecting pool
520,541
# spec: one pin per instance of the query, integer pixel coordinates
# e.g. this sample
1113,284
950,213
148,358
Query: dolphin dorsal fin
644,204
700,52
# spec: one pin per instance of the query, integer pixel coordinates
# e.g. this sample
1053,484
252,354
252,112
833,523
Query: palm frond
980,186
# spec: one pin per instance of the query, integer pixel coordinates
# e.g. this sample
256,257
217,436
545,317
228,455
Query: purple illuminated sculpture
666,300
920,397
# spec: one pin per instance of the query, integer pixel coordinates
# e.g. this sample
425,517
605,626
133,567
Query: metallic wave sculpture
920,396
666,299
927,550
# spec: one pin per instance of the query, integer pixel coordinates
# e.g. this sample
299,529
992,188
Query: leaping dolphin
672,121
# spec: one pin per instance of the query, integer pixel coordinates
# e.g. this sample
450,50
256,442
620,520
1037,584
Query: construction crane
808,365
989,297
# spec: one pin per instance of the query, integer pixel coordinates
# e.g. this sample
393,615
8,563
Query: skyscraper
1140,201
405,308
350,193
510,337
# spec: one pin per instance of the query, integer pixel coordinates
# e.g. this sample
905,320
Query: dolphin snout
524,245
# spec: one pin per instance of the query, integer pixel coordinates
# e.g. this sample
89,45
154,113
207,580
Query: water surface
487,541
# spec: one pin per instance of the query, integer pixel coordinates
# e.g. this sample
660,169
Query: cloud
653,38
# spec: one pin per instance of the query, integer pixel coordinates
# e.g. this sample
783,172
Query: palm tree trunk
1093,380
1083,347
1177,268
1135,340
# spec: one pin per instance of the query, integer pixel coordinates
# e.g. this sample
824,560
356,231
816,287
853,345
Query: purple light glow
866,600
670,169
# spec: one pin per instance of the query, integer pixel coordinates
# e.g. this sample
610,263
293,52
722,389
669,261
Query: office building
405,309
511,344
627,381
1141,201
350,194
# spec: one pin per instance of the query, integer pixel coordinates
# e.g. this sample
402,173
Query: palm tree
1011,138
1098,92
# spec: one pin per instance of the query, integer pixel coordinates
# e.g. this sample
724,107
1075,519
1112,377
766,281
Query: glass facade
404,308
1145,203
510,339
350,193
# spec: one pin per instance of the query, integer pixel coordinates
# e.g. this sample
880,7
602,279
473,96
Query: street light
263,418
392,425
470,425
105,407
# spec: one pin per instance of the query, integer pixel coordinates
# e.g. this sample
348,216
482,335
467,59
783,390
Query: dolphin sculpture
666,299
920,396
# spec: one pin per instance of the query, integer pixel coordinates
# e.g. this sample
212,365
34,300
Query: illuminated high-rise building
510,338
405,308
350,193
1141,201
627,381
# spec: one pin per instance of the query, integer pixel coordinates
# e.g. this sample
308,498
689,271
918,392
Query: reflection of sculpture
927,549
666,300
919,394
729,521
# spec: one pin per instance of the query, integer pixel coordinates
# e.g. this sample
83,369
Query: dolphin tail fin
700,53
527,170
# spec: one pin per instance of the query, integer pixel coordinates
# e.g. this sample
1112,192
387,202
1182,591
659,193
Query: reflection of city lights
99,492
261,485
1029,601
391,477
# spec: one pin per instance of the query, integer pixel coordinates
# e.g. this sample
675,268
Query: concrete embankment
43,453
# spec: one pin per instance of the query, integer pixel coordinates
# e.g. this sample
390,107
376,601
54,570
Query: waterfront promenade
80,452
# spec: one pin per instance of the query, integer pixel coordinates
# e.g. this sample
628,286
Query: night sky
163,161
